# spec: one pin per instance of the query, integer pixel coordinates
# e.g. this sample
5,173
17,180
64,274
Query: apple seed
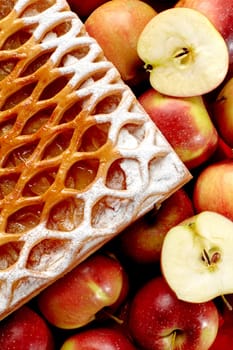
210,260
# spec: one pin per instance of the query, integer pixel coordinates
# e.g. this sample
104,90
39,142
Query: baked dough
79,157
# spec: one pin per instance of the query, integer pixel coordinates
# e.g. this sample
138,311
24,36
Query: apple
161,5
220,13
213,188
74,300
223,112
184,53
85,8
158,320
25,329
98,339
116,25
222,152
224,338
142,241
186,124
196,257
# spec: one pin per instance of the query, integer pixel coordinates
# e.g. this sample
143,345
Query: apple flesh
213,189
74,300
220,13
25,329
223,112
196,257
116,25
98,339
185,123
160,321
184,53
142,241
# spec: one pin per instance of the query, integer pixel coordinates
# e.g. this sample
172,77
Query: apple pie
79,157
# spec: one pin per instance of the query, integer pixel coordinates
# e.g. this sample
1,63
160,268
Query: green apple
196,257
183,52
186,124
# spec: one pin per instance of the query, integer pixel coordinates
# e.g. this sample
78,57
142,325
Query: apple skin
85,8
73,301
222,152
160,321
213,189
224,339
185,123
223,112
116,25
98,339
220,13
25,329
142,241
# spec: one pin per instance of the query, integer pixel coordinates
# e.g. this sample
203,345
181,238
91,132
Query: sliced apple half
184,53
197,257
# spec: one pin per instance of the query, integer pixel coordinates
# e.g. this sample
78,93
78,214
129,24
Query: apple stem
226,302
114,318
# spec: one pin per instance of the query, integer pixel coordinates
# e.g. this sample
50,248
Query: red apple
98,339
74,300
213,189
159,321
185,123
116,25
25,329
223,112
142,241
222,152
161,5
224,339
85,8
220,13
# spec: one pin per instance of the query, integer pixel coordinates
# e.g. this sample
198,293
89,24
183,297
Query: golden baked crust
79,157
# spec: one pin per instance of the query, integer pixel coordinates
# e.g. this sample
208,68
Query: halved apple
197,258
184,52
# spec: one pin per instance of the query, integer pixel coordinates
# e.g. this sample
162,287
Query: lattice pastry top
79,157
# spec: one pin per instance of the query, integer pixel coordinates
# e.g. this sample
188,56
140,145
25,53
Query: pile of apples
166,282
